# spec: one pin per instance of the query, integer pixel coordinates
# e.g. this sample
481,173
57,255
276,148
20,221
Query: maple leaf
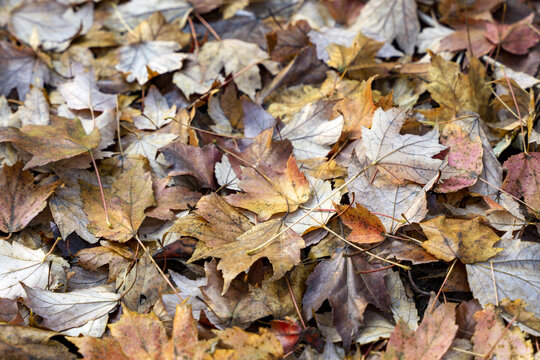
35,110
126,199
170,198
146,55
20,68
148,146
284,193
63,139
492,338
83,311
191,160
394,19
285,44
83,93
19,263
115,256
20,199
348,292
431,340
310,131
156,111
366,227
234,56
516,38
470,241
401,157
216,222
523,177
283,252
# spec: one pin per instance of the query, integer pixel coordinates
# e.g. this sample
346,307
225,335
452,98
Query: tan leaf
284,194
470,241
170,198
20,199
156,111
126,199
283,252
83,93
244,345
118,257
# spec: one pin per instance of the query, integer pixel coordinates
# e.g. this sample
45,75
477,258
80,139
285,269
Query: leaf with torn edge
126,199
19,263
156,111
401,158
285,193
470,241
20,199
65,312
283,252
311,131
63,139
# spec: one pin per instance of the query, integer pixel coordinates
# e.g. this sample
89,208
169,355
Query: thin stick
294,302
109,225
118,128
50,251
517,108
193,34
207,25
442,286
494,283
506,192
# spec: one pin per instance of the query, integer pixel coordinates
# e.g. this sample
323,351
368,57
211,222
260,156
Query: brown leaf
244,345
430,341
470,241
366,227
170,198
191,160
284,193
523,177
515,38
492,338
348,291
283,252
284,44
20,199
63,139
118,257
126,199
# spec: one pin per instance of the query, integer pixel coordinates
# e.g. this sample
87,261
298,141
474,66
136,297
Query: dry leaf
170,198
366,227
156,111
83,93
523,177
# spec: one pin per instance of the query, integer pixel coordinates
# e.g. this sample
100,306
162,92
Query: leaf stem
109,225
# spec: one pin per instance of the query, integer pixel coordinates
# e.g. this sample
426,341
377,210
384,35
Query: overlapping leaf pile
177,175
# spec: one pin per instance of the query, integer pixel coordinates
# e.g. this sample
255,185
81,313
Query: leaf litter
261,179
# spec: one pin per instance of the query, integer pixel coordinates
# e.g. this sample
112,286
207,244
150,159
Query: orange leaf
366,227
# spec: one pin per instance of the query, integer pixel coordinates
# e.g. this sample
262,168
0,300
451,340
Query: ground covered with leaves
212,179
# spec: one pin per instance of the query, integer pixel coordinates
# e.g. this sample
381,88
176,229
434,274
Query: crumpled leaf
19,263
170,198
311,132
233,56
65,312
470,241
523,177
192,160
236,307
431,340
63,139
514,271
285,193
156,111
366,227
394,19
116,257
283,252
20,199
126,199
399,157
492,337
83,93
348,292
20,67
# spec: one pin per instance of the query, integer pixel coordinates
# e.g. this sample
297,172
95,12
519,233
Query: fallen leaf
135,11
225,174
65,312
348,292
431,340
20,200
156,113
284,44
170,198
19,263
35,110
244,345
126,200
63,139
117,257
366,227
492,338
283,252
399,157
20,67
83,93
470,241
394,19
514,271
523,177
313,140
148,146
516,38
284,193
191,160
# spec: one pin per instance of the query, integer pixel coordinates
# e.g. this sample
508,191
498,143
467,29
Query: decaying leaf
524,177
366,227
470,241
20,199
83,93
